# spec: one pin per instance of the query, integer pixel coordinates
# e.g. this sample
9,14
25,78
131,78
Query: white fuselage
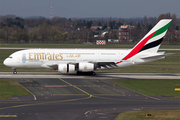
43,58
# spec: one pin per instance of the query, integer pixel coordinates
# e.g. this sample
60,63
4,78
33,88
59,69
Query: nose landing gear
14,72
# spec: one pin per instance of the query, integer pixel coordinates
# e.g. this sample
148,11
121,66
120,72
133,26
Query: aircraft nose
5,62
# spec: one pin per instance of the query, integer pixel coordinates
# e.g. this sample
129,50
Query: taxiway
72,97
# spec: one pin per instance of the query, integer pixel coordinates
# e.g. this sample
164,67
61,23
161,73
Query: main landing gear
85,73
14,72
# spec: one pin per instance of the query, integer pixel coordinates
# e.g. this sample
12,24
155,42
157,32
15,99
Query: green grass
149,87
167,65
10,88
156,115
67,45
80,46
175,97
5,97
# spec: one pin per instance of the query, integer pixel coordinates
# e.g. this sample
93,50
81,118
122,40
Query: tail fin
152,40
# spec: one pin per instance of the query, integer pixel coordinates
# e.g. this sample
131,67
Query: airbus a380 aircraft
88,60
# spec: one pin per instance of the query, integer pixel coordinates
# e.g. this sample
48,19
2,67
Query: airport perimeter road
98,75
78,99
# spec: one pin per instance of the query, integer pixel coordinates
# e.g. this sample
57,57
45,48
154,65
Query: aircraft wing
50,65
99,65
106,65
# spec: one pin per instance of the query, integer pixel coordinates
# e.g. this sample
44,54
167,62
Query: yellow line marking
124,99
42,103
8,115
55,85
36,113
109,94
68,94
75,87
177,89
91,94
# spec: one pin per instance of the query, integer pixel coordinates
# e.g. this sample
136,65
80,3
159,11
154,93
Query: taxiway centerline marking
51,86
43,103
91,94
75,87
8,116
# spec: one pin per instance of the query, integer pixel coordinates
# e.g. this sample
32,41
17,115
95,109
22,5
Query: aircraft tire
14,72
78,73
85,73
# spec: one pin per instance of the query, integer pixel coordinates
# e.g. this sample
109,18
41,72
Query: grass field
66,45
167,65
156,115
80,46
151,87
9,88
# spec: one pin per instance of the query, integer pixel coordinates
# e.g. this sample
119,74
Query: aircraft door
118,54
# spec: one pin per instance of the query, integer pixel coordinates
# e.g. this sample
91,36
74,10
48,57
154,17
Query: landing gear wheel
78,73
93,73
85,73
14,72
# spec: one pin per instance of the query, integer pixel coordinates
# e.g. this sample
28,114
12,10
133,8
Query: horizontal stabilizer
156,56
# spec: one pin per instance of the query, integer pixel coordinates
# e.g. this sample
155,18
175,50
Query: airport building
124,32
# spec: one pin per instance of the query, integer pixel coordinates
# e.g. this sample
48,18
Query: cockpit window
10,57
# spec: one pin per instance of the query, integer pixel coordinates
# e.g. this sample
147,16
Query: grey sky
90,8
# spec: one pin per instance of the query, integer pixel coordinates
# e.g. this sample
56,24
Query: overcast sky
90,8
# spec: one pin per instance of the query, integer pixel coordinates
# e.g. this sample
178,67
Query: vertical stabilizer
151,41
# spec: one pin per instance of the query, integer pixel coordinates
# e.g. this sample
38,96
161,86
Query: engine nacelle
85,67
66,68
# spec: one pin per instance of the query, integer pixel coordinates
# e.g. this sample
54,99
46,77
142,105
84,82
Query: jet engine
66,68
86,67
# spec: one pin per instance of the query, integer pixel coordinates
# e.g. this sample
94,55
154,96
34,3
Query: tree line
15,29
